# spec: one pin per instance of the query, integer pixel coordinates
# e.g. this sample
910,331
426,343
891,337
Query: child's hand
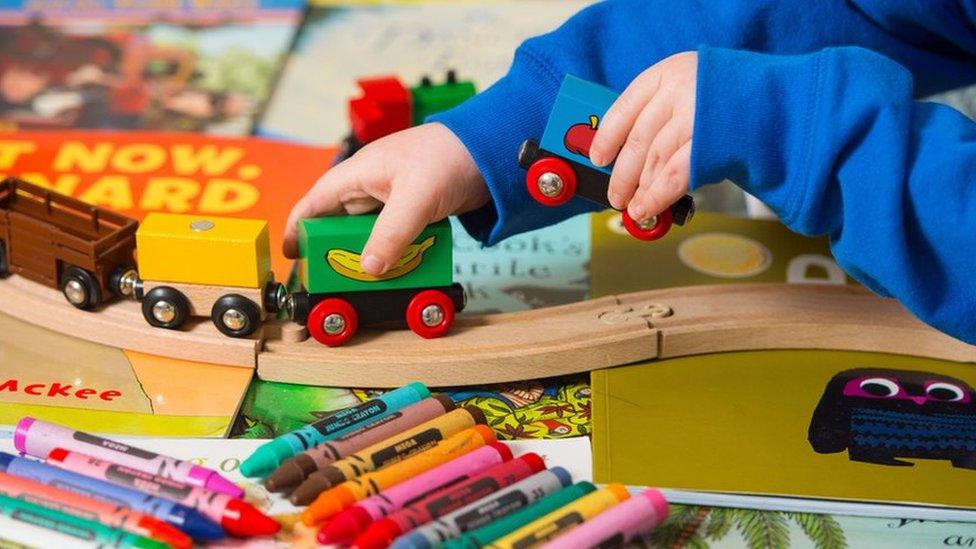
648,129
422,174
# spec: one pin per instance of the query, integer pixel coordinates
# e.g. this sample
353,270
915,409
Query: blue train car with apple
559,166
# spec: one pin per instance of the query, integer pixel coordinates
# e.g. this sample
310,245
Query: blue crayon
190,521
269,456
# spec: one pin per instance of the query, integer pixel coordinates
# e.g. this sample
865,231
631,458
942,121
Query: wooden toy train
221,268
559,167
386,106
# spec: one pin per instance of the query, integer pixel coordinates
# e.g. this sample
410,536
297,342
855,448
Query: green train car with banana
338,296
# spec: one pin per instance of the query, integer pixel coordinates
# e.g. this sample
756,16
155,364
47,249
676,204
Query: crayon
295,470
82,529
19,535
334,500
484,511
492,531
387,452
116,516
345,526
269,456
181,516
381,533
619,525
37,438
562,520
236,517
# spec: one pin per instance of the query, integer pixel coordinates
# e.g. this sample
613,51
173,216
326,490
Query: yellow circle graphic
725,255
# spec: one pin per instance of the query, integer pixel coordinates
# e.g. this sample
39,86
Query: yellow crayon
387,452
563,519
333,501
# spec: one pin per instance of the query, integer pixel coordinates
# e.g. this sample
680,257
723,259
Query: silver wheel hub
334,324
550,184
127,283
282,299
432,315
234,319
75,292
164,311
648,224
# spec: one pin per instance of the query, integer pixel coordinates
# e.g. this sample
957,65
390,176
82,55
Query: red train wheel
660,225
332,322
430,314
551,181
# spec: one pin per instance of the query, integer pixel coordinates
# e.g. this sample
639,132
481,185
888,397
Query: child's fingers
300,211
666,143
671,184
637,151
620,117
399,223
345,182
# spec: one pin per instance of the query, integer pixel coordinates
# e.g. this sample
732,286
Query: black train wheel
80,288
236,316
165,307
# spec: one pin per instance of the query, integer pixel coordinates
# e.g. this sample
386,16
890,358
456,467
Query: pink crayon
618,525
238,518
37,438
349,523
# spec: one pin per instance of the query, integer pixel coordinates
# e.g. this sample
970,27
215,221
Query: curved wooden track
599,333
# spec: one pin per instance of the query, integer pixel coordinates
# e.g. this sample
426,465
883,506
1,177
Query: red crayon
109,514
383,531
236,517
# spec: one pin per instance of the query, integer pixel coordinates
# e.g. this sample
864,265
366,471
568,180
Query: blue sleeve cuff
492,125
754,118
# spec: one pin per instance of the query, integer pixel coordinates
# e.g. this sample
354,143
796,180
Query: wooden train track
599,333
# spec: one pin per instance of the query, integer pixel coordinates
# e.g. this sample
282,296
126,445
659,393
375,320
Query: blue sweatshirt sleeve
836,144
612,42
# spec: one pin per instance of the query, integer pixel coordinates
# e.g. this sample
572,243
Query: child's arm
835,143
613,42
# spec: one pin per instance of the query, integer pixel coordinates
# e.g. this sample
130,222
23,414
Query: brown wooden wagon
86,252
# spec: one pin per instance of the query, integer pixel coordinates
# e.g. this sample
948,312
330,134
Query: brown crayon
295,470
387,452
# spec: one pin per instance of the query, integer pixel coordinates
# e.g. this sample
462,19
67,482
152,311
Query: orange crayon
335,500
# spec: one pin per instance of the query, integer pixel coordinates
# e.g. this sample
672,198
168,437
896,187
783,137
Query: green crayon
70,525
269,455
506,525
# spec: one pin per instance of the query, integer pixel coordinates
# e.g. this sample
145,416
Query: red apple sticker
579,137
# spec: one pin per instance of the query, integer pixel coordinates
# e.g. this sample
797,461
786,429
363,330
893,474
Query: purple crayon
618,526
37,438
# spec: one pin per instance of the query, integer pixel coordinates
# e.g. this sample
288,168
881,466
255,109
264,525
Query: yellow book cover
712,248
815,424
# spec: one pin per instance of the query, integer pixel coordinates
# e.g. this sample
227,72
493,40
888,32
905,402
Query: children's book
827,425
712,248
105,389
538,409
158,65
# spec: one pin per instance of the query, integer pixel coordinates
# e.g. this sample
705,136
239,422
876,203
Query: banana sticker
346,263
